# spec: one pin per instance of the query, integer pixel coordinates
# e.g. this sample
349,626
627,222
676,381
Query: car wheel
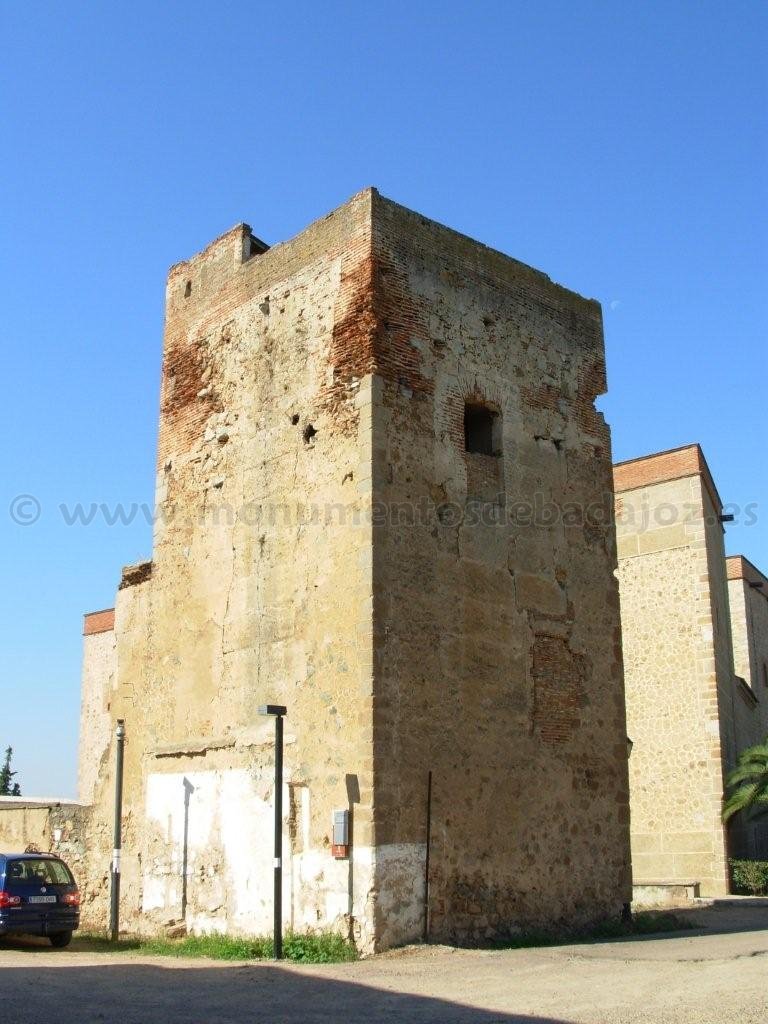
60,939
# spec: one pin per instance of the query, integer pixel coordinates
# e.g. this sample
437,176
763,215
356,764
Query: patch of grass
330,948
308,948
217,947
324,948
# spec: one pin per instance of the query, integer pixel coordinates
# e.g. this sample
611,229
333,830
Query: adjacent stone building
748,599
384,500
689,713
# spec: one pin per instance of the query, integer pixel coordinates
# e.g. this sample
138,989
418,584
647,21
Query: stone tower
384,500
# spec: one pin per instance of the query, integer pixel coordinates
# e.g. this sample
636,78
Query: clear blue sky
620,147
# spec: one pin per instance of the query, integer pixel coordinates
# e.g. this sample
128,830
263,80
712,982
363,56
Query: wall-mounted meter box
340,835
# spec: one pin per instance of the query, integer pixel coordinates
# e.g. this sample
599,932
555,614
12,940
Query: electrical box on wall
340,839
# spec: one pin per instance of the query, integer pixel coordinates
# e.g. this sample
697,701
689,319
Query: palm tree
748,783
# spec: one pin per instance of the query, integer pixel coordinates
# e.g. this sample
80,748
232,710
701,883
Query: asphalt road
718,975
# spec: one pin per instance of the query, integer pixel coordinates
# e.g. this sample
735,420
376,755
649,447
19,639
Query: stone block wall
679,676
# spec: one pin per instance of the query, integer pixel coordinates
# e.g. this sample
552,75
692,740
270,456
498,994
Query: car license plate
41,899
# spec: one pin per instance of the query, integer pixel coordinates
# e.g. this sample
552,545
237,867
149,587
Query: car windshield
37,871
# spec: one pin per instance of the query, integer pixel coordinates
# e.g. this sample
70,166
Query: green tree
748,783
7,786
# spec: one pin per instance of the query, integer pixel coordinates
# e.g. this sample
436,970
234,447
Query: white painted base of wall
209,862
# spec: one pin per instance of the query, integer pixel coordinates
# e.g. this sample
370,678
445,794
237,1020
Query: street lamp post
114,900
277,711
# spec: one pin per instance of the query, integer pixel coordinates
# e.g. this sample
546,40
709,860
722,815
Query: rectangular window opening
482,430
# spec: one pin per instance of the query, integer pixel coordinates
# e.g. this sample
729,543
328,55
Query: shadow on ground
721,917
133,993
710,975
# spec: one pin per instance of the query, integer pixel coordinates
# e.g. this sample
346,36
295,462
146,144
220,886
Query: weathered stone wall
307,392
259,591
54,827
496,622
679,679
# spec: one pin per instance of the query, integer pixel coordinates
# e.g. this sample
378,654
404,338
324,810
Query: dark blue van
38,896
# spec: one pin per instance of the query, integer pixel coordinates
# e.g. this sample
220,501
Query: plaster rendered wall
678,689
212,846
98,682
749,627
496,621
743,660
23,824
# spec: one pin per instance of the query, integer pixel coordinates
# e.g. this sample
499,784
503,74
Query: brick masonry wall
99,622
676,464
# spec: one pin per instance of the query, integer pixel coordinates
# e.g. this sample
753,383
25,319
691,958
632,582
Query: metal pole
426,859
278,900
278,710
114,902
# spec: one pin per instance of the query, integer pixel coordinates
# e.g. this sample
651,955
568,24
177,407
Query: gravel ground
716,975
